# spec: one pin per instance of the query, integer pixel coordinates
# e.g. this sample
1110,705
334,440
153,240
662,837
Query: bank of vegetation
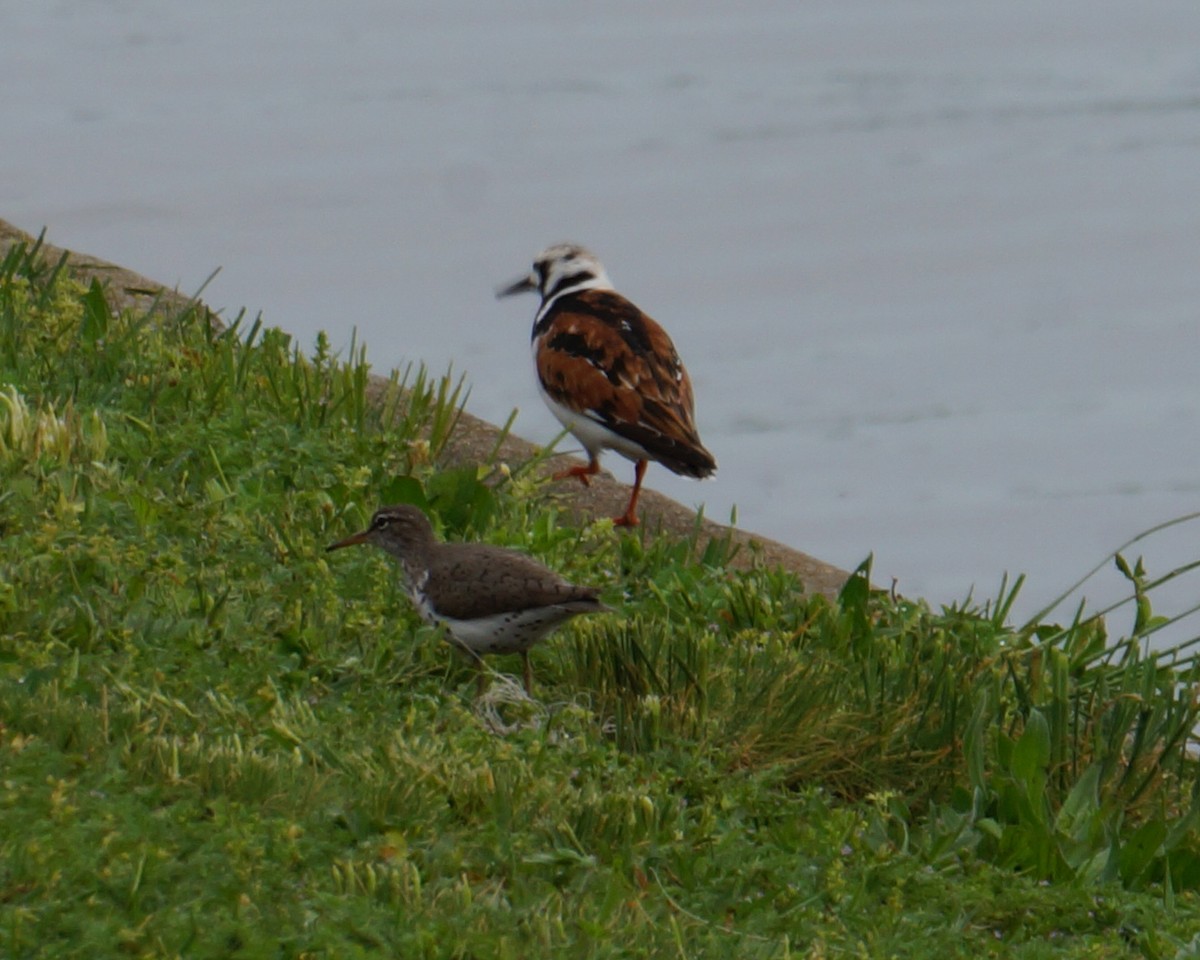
216,741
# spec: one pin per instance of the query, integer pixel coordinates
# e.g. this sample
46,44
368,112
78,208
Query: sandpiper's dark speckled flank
608,372
489,599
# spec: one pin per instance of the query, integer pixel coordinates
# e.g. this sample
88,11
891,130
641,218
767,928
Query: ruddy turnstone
608,372
489,599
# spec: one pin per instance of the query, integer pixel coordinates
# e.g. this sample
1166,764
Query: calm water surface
934,267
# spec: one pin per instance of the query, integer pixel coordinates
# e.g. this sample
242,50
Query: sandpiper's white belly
511,632
505,632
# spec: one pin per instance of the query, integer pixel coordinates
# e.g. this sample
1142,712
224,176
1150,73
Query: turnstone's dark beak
349,541
524,285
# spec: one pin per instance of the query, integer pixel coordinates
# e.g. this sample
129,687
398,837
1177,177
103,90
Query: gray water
934,267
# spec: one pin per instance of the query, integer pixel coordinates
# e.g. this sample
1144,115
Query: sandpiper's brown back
468,580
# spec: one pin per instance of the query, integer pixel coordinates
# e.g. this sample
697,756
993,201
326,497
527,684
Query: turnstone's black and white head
561,269
608,372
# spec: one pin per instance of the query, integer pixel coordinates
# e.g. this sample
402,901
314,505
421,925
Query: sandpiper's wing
602,357
472,580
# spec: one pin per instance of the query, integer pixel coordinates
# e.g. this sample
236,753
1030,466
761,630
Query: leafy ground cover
217,741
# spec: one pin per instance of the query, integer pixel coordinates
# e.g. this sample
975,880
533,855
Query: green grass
216,741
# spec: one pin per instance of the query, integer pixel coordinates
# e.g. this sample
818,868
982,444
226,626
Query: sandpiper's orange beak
526,283
351,541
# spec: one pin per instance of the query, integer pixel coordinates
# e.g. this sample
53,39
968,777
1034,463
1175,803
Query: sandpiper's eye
381,522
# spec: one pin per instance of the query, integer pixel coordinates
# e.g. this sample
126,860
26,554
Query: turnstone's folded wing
600,356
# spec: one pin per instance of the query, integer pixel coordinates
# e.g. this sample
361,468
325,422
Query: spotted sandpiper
489,599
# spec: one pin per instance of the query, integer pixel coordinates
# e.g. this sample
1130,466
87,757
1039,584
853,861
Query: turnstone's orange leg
583,473
629,518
